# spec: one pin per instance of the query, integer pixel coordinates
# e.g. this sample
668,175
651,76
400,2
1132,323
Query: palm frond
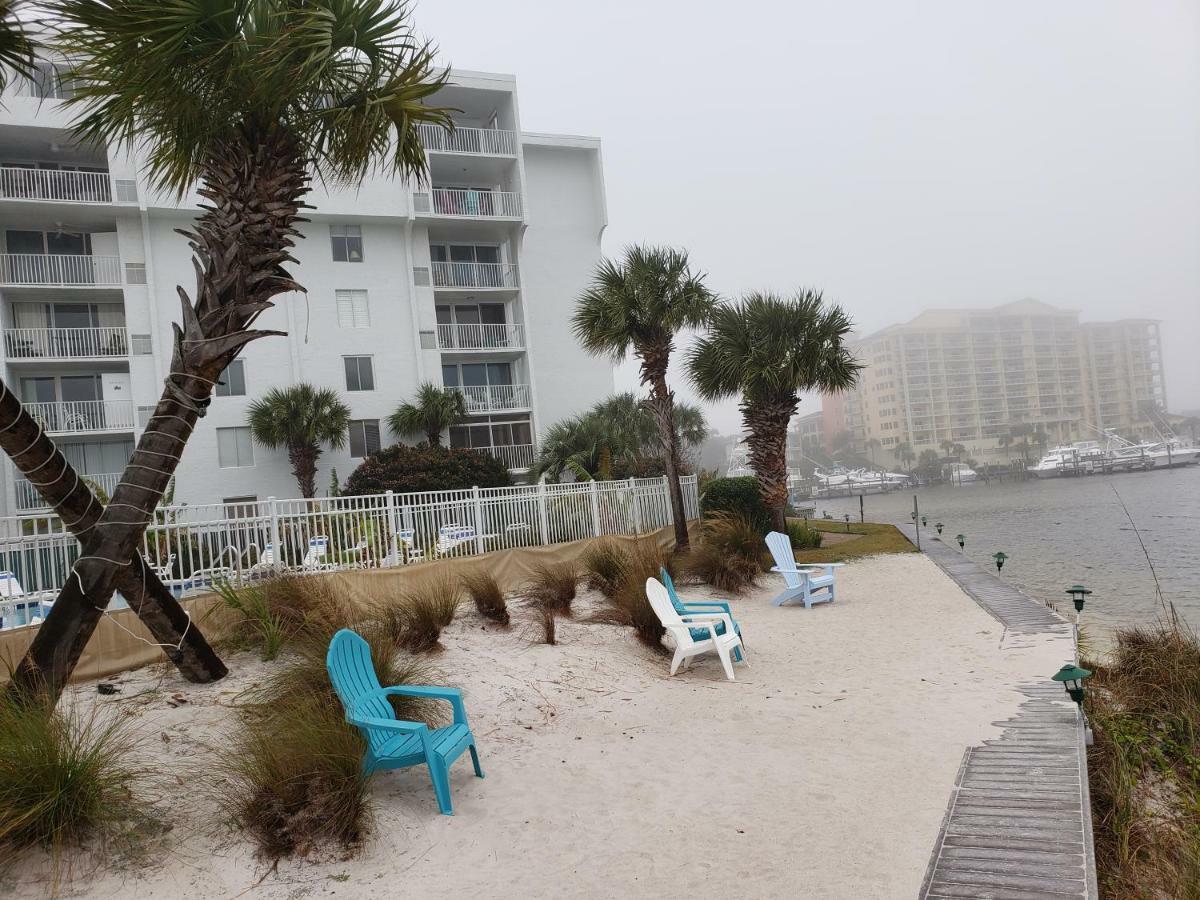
17,42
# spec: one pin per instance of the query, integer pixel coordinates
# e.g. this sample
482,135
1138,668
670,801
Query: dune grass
483,589
626,604
873,539
728,553
602,566
1144,768
552,586
424,610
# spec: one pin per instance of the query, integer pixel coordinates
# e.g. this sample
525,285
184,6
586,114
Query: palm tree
433,411
300,419
770,350
251,100
638,305
17,44
905,453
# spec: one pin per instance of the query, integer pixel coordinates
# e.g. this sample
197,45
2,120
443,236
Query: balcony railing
468,204
495,397
474,275
515,456
58,269
19,183
481,337
483,141
71,416
66,343
28,497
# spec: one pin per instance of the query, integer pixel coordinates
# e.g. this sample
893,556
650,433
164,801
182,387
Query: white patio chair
809,584
695,633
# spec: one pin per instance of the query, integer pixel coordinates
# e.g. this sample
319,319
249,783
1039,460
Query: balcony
78,416
495,397
477,141
56,185
29,499
468,204
59,270
473,275
66,343
516,456
481,337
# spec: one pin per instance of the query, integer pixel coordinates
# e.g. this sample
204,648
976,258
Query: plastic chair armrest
451,695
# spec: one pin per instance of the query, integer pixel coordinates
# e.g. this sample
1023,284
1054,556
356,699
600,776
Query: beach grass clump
267,616
1143,702
603,566
803,536
728,554
552,586
66,777
484,590
547,621
424,610
292,767
627,604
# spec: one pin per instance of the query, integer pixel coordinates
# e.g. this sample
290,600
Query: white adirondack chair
404,547
809,584
450,536
317,557
695,633
164,571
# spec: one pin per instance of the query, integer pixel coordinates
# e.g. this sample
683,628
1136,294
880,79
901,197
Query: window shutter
353,310
135,273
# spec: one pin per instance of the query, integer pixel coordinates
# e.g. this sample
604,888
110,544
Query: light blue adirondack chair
393,743
701,606
809,584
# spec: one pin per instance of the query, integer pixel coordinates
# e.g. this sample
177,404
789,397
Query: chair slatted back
780,546
353,675
670,586
660,602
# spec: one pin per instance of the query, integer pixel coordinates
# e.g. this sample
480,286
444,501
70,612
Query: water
1065,531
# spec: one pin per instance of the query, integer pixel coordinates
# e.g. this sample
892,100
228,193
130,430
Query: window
364,437
235,449
352,309
347,243
360,373
232,382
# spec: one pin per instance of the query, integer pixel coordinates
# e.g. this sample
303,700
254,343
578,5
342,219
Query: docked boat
1114,454
960,473
843,483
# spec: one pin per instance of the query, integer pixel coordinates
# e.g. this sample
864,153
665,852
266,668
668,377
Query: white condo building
467,281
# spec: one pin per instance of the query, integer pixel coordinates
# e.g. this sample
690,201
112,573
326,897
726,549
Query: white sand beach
823,771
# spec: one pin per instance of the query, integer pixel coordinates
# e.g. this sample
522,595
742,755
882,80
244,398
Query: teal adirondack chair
701,606
393,743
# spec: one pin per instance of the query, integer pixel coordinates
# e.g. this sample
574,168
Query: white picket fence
196,547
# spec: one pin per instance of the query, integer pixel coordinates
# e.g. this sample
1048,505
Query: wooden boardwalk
1018,825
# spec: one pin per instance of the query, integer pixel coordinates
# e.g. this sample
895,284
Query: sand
823,771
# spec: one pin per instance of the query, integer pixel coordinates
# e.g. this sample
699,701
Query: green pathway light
939,527
1078,595
1000,558
1072,678
924,522
962,539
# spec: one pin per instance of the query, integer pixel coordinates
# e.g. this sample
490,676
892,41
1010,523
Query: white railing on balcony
515,456
474,275
484,141
65,343
481,337
28,497
469,204
495,397
83,415
19,183
59,269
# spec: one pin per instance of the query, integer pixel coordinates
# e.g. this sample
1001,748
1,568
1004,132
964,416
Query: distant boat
1114,454
841,483
960,473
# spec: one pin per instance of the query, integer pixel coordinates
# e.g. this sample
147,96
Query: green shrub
553,586
728,554
803,537
405,469
485,591
65,777
739,496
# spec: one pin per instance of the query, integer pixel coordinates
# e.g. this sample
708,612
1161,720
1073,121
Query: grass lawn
872,539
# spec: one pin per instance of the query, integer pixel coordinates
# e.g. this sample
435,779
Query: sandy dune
824,771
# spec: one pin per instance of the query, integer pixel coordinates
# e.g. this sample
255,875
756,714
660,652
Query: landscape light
1078,595
999,558
924,522
962,539
939,527
1072,678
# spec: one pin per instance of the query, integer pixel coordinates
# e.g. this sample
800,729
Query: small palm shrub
738,496
627,604
602,566
484,590
802,536
65,777
729,553
424,611
266,617
553,586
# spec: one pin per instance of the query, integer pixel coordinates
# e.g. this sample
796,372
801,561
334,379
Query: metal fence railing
194,548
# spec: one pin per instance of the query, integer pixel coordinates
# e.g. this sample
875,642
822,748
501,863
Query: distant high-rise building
972,377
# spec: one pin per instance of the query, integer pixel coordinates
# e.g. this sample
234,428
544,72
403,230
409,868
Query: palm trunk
661,404
766,427
36,457
254,184
304,466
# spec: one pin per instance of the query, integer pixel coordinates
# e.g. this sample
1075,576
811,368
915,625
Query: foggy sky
897,155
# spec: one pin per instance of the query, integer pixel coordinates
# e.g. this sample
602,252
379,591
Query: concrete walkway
1018,825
